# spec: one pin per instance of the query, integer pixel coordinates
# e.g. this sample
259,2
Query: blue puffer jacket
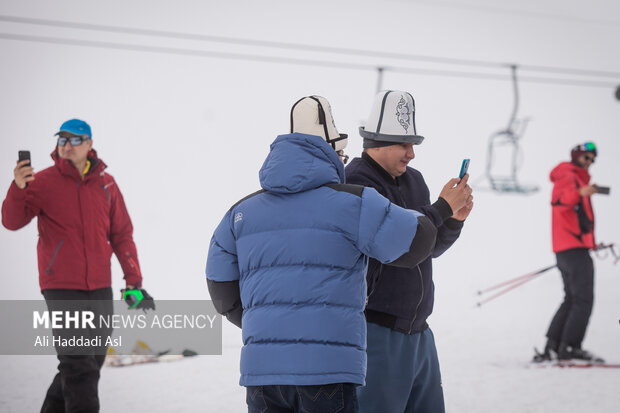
297,252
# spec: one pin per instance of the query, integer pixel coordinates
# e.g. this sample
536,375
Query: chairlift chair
506,180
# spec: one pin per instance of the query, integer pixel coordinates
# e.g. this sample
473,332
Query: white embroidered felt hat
392,119
312,115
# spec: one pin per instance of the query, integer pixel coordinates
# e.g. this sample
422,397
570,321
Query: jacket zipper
49,267
402,197
83,235
415,315
134,264
107,193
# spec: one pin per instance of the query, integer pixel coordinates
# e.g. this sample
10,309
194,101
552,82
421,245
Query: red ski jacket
80,221
567,233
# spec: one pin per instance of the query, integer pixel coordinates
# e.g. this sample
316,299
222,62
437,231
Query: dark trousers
571,320
75,387
325,398
403,373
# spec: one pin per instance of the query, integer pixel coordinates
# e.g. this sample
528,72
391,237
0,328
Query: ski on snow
579,364
596,362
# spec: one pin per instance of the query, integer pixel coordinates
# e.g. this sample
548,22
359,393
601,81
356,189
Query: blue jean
325,398
403,373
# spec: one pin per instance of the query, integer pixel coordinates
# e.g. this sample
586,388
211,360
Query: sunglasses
73,140
343,157
589,158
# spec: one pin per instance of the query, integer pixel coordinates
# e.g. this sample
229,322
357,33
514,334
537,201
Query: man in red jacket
573,237
82,219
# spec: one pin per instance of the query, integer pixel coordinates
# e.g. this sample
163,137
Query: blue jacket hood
299,162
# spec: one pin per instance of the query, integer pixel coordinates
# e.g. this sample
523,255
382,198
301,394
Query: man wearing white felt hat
403,368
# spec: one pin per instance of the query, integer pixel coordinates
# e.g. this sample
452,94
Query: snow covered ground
483,353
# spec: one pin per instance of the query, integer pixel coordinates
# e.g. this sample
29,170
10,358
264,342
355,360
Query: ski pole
516,282
602,246
516,279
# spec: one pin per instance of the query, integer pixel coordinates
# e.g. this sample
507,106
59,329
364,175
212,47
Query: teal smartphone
464,168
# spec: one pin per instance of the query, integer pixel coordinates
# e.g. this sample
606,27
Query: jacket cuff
134,280
443,207
454,224
421,246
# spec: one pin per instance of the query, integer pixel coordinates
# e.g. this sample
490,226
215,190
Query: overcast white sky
184,133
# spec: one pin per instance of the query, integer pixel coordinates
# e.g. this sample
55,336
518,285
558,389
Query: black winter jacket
402,298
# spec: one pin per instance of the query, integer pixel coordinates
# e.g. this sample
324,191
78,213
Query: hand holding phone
23,170
457,193
464,168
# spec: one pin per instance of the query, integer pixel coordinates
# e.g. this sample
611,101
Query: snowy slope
483,350
482,357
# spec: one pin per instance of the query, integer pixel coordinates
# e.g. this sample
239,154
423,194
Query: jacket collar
65,167
385,174
565,168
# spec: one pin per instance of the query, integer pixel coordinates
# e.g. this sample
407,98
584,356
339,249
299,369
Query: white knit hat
312,115
392,119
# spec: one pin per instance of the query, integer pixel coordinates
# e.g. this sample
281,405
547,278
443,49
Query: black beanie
371,143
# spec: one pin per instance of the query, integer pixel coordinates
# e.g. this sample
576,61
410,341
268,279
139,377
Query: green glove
138,298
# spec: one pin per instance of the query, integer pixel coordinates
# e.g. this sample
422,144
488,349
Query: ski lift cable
186,52
242,41
302,46
285,60
491,76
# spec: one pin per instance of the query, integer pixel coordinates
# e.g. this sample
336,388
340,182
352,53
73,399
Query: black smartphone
464,168
602,189
23,156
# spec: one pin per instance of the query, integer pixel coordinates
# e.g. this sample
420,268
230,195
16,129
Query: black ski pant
75,387
571,320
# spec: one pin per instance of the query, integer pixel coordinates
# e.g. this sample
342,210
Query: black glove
138,298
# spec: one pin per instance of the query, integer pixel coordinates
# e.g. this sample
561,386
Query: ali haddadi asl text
97,341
